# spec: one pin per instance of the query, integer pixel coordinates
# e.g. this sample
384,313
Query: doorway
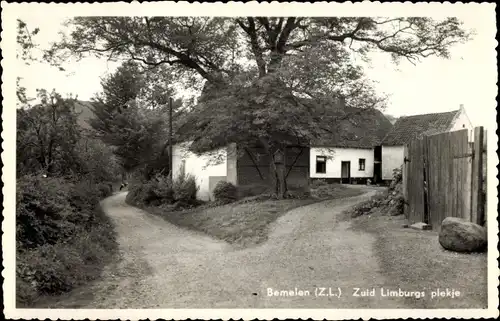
346,172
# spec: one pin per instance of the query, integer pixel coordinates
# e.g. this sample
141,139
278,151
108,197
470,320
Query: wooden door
346,172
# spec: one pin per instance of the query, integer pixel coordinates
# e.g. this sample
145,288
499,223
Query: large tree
46,136
131,116
258,70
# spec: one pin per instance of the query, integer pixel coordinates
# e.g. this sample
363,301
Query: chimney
462,107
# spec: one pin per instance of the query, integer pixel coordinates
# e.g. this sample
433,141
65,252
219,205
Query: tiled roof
362,129
411,127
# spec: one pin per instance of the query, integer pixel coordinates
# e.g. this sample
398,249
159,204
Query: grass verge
246,222
413,260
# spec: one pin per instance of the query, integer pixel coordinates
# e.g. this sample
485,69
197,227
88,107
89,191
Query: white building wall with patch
202,167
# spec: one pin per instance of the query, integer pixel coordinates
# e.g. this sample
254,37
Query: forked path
165,266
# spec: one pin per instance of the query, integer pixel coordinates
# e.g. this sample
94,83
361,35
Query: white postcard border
11,11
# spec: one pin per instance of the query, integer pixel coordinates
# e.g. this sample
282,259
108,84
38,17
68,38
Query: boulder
462,236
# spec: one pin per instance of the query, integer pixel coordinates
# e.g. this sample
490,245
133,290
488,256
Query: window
321,164
361,164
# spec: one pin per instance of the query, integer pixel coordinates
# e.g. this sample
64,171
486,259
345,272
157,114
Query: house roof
361,128
411,127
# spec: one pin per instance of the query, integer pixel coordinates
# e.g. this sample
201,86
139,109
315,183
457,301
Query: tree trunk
279,181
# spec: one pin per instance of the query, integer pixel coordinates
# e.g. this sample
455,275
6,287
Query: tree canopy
131,116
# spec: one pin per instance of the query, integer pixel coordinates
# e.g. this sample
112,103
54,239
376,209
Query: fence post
404,173
477,202
426,174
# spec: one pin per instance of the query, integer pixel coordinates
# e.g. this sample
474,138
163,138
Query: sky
433,85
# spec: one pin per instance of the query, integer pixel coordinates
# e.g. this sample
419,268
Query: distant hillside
391,118
84,109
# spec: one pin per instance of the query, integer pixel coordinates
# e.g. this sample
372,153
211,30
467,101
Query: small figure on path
123,185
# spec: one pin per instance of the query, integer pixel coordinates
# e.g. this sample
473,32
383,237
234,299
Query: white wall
392,157
336,156
461,121
202,167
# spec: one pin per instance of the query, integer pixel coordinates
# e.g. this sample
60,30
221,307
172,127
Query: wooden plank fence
444,177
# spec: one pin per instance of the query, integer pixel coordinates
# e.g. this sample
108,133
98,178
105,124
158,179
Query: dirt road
309,249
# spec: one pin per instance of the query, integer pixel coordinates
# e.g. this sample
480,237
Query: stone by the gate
462,236
421,226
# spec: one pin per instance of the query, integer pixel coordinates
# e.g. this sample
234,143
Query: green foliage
42,210
185,188
25,42
49,209
397,178
46,136
131,114
49,140
55,269
105,189
97,161
160,191
225,192
63,237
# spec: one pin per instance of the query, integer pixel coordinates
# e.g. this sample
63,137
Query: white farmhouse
351,152
412,127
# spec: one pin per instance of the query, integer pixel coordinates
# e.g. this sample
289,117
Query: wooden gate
449,165
413,175
438,178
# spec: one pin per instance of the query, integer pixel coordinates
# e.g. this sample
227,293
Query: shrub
185,189
159,191
63,237
362,208
55,269
105,189
42,204
83,196
397,205
225,192
397,178
153,192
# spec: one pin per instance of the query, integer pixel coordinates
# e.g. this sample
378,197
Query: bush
63,237
185,188
362,208
225,192
42,204
105,189
397,178
55,269
159,191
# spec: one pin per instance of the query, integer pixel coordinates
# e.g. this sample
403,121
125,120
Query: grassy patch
414,260
246,222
